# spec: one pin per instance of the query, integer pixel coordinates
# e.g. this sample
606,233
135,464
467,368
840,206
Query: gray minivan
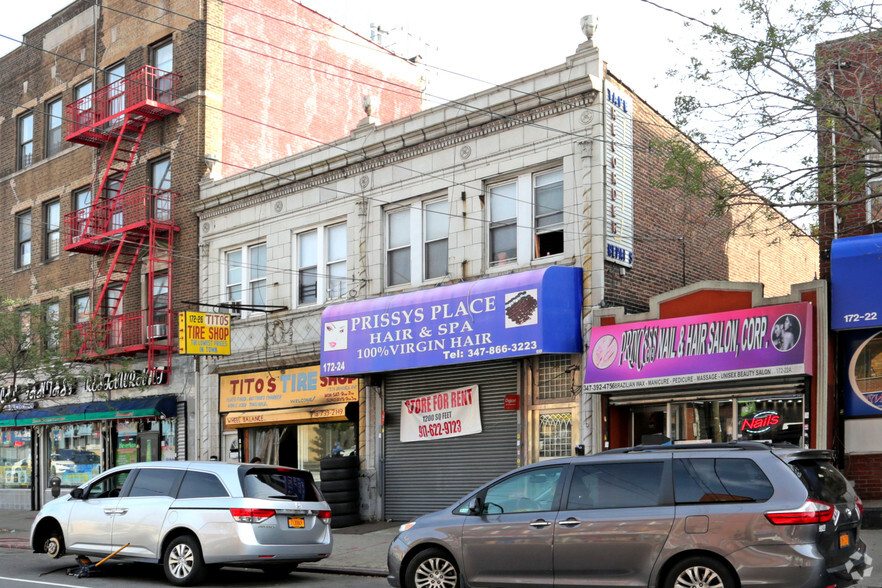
675,516
191,515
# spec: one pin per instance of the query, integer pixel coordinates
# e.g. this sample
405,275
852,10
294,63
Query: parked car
711,515
190,515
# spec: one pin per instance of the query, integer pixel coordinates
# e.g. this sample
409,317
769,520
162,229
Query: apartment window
112,188
24,317
25,140
79,305
52,229
114,78
874,188
160,299
54,139
23,239
83,98
162,58
111,307
82,202
245,275
160,179
421,227
51,314
526,217
321,264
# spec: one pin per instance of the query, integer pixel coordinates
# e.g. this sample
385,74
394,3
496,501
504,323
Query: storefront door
148,446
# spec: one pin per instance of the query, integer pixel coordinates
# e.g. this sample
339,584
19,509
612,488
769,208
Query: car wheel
54,545
182,561
699,572
279,572
432,569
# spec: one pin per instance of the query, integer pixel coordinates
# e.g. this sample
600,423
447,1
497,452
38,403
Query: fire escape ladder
159,285
124,260
116,165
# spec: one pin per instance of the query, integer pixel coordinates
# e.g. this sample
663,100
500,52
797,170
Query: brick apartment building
850,147
111,115
454,262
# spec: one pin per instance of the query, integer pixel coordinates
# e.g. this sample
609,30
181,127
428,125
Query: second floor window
23,239
25,140
245,275
416,242
321,264
526,218
51,316
54,138
79,305
52,228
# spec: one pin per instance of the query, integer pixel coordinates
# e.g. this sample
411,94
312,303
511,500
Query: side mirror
476,506
77,493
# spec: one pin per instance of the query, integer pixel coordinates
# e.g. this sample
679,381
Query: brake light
252,515
811,511
859,504
324,516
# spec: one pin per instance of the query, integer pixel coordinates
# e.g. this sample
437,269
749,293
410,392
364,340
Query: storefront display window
709,421
776,419
75,453
868,367
169,449
126,442
15,458
555,434
301,446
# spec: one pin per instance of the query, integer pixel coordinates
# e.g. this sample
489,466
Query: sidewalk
361,549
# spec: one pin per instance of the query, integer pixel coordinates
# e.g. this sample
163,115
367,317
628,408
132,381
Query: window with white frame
874,189
51,314
79,304
526,217
23,239
54,139
421,228
25,140
52,229
245,275
321,264
82,202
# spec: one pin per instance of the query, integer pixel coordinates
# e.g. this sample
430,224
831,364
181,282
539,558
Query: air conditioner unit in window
157,331
234,308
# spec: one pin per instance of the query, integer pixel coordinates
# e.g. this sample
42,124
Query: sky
490,42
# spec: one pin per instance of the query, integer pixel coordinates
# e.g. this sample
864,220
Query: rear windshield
280,483
822,480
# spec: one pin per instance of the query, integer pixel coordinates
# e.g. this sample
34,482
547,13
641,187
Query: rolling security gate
423,476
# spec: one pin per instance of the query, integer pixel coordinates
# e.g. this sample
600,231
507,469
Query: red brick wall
277,75
866,471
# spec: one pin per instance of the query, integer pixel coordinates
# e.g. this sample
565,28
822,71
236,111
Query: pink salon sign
738,345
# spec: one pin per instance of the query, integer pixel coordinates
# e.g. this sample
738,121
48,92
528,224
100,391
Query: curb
342,571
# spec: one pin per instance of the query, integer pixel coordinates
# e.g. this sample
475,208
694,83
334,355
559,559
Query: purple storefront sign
526,313
737,345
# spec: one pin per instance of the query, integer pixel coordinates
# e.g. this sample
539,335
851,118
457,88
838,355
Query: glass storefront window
868,368
169,450
15,458
74,453
709,421
775,419
323,440
126,442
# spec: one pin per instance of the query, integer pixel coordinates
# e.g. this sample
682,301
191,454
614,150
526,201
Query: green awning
151,406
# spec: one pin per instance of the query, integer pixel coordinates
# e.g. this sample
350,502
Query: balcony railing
129,332
147,92
130,211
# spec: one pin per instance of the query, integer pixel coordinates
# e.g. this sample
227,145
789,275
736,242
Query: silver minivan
188,516
675,516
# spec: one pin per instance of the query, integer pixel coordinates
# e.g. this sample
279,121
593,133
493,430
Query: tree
32,352
789,97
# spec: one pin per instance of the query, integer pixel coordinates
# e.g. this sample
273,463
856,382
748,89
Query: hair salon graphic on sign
508,316
737,345
452,413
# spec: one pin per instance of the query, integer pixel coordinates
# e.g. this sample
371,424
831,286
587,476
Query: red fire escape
128,229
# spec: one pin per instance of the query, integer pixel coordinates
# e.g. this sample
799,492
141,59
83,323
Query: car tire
338,463
343,508
705,572
182,561
279,572
434,568
341,474
347,520
54,545
339,485
340,496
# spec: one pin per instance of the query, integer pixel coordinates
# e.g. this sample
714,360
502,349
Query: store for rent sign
452,413
737,345
287,388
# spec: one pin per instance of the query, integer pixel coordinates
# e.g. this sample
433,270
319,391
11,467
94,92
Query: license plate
844,541
296,522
